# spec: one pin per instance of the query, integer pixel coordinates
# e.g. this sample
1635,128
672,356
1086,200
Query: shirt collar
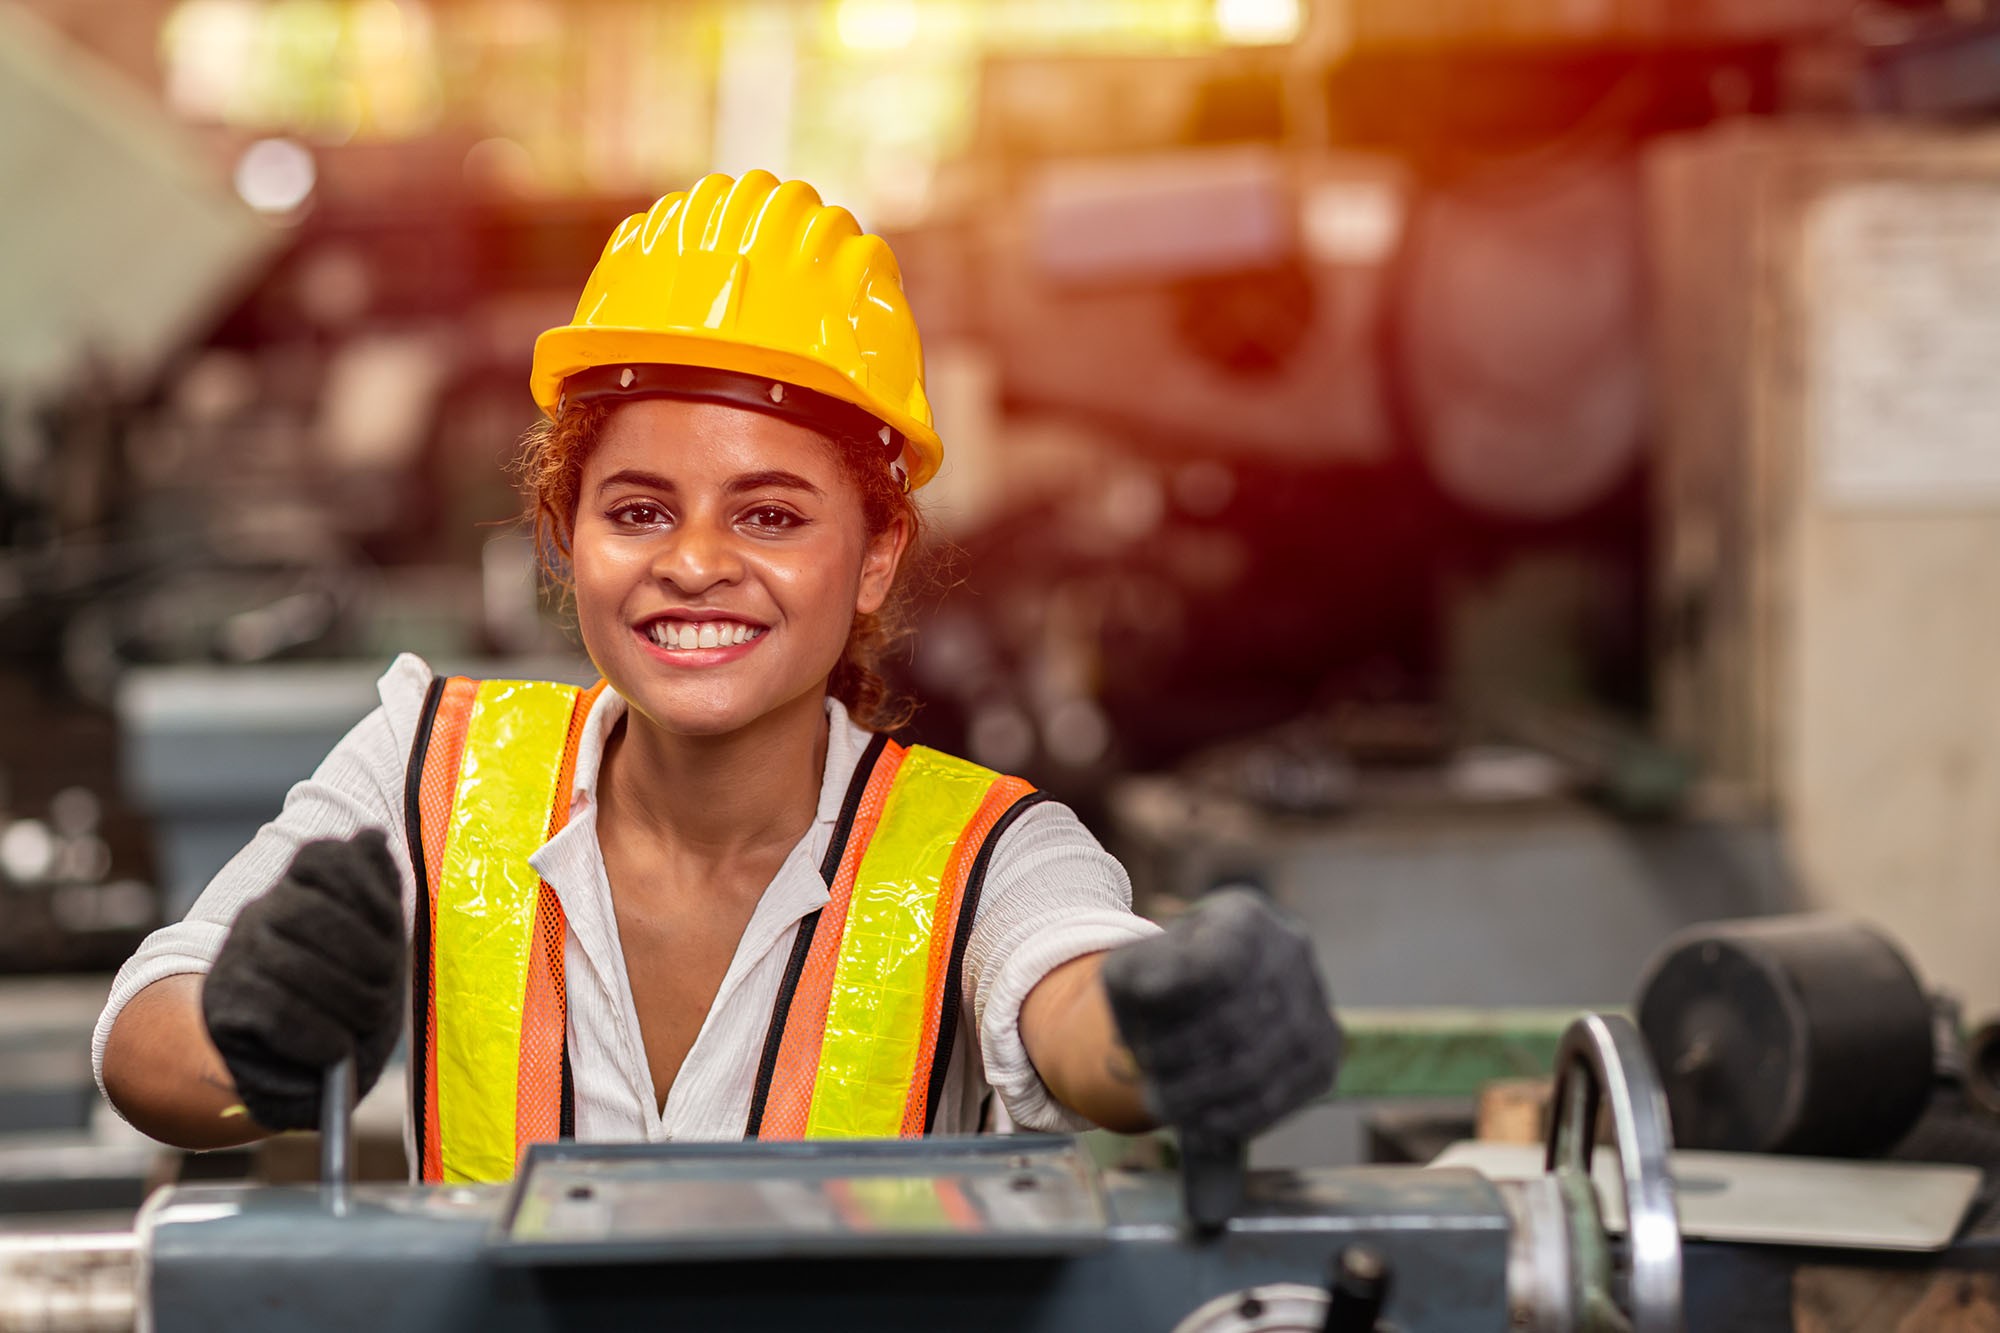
845,742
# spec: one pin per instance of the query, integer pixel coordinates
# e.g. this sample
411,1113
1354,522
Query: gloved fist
311,972
1225,1017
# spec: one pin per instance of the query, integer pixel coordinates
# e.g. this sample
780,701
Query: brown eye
640,513
776,518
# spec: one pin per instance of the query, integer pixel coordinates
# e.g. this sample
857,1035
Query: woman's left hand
1225,1017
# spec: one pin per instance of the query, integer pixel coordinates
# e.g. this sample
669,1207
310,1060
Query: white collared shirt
1051,894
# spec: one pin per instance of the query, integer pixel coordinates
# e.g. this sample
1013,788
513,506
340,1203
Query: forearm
1066,1025
164,1074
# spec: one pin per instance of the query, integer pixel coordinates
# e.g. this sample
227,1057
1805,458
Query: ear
878,567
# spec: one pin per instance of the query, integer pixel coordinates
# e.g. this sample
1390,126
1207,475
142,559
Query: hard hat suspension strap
756,393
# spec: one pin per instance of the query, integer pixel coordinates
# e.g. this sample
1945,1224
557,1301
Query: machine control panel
583,1203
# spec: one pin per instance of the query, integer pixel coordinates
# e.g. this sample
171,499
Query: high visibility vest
861,1036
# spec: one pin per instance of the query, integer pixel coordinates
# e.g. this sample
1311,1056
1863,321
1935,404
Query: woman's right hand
312,971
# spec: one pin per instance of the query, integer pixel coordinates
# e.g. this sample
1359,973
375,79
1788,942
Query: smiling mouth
691,635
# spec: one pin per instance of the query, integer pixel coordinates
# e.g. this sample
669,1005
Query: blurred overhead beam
120,241
1392,24
124,35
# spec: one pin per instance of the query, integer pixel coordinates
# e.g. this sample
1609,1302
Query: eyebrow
748,481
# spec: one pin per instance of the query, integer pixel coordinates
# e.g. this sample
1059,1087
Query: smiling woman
709,897
558,452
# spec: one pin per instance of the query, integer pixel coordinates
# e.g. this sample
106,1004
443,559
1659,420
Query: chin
699,708
684,720
684,712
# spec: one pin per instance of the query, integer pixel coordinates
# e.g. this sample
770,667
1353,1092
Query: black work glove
311,972
1225,1017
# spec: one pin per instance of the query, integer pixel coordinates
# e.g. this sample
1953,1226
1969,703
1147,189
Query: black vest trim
829,866
420,947
968,910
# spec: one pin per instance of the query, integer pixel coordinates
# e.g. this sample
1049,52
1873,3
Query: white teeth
711,634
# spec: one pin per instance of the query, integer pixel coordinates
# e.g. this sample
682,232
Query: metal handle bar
1603,1062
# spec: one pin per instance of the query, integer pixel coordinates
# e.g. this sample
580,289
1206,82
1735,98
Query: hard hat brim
562,352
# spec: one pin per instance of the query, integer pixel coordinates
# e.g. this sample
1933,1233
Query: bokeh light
1258,22
275,175
877,25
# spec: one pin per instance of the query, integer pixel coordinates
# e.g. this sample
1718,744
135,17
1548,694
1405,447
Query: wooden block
1514,1110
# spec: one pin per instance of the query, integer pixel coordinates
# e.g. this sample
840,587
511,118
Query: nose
696,556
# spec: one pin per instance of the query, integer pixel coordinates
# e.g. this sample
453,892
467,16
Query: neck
751,793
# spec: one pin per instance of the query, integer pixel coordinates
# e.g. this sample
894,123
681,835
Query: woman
708,898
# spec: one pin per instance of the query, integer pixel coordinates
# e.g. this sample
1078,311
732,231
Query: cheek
606,551
601,574
820,586
587,569
813,589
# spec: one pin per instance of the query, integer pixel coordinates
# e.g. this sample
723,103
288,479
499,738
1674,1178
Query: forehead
691,442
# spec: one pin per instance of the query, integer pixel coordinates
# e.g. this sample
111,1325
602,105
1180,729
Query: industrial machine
1018,1232
1610,1228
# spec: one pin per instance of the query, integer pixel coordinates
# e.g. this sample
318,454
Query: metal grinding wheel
1808,1035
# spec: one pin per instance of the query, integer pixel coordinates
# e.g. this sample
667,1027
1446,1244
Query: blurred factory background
1513,477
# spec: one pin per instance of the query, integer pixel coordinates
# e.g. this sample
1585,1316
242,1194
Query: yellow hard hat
753,292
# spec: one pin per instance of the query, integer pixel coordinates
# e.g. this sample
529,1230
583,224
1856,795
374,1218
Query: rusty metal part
83,1281
1982,1067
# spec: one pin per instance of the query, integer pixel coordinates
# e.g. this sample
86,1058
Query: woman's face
720,558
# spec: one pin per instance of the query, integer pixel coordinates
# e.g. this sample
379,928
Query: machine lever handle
336,1136
1211,1181
1358,1287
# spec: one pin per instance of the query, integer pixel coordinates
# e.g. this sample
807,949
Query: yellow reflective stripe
875,1013
486,917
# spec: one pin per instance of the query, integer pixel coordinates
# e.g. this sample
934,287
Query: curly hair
550,467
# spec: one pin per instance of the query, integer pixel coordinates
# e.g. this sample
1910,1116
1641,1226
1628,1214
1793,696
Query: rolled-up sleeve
358,785
1052,894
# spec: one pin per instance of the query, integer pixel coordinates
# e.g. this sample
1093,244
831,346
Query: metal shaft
336,1136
